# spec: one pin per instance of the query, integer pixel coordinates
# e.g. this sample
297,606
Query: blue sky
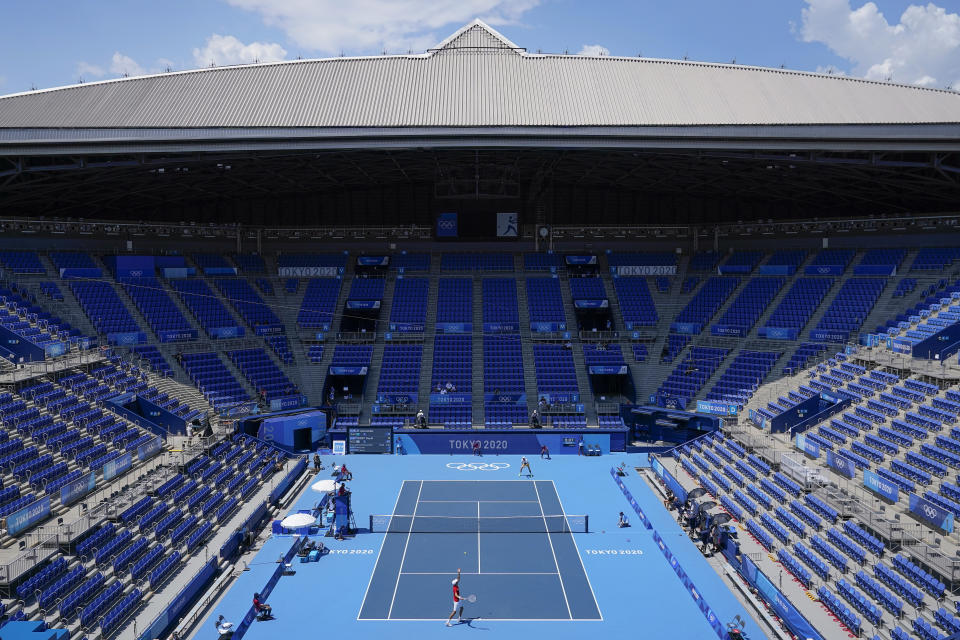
52,43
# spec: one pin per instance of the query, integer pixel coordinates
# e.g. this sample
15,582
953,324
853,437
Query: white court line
377,561
471,501
550,540
404,556
579,557
485,573
484,619
478,536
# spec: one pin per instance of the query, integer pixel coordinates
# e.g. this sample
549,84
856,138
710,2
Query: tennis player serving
457,601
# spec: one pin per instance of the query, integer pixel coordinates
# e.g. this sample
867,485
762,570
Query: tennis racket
470,598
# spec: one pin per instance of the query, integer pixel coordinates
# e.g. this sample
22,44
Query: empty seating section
409,311
500,304
72,260
935,258
545,302
503,381
300,264
103,306
476,262
249,263
850,308
838,258
21,262
743,313
161,312
51,290
704,261
367,289
556,375
206,307
883,258
651,259
704,304
640,352
599,355
214,380
210,261
262,373
319,303
281,347
249,305
154,358
743,376
676,343
541,261
408,262
454,301
686,380
400,371
742,262
636,303
453,365
802,299
587,289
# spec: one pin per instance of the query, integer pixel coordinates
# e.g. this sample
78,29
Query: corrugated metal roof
478,78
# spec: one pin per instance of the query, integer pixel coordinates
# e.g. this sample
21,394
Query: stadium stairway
477,354
178,303
648,375
526,346
73,313
426,361
373,379
227,304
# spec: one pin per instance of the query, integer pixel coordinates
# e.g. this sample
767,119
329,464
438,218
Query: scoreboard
370,440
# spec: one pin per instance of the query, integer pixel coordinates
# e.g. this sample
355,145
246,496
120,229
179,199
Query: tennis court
511,538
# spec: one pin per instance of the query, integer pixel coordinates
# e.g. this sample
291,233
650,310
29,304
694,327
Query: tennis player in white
525,464
457,600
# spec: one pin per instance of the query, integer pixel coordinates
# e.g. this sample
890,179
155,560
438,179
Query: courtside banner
931,513
841,465
880,485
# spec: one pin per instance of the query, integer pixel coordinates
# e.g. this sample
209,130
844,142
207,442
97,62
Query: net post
371,523
586,523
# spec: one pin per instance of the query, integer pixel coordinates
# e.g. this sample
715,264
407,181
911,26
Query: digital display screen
370,440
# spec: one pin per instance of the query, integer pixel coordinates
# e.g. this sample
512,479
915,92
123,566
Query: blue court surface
517,542
516,553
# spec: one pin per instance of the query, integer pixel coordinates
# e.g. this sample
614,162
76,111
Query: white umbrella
324,486
298,520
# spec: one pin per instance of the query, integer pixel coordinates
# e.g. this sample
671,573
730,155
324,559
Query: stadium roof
393,139
478,78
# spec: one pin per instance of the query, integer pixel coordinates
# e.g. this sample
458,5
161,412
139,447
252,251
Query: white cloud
227,50
593,50
87,70
922,48
334,26
125,65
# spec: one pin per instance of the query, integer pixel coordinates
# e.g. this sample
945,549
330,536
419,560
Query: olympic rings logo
478,466
447,224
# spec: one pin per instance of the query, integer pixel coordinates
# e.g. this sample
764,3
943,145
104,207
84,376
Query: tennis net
479,524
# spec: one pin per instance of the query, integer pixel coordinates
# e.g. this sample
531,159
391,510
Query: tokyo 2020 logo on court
478,466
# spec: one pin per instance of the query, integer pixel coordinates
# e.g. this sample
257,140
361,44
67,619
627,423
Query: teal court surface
519,542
